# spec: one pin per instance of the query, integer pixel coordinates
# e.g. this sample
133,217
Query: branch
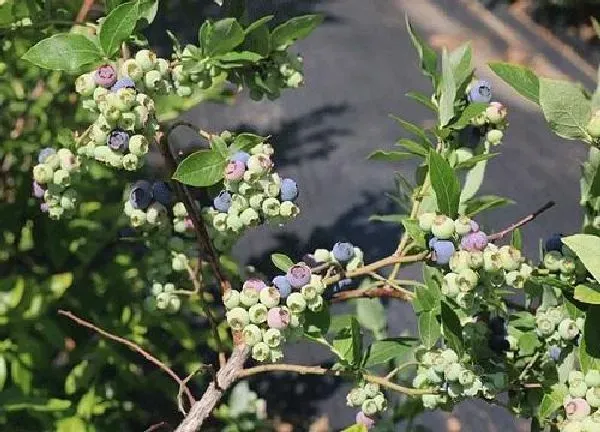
372,293
132,346
84,10
522,222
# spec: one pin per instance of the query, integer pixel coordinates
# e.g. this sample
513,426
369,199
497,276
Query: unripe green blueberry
430,401
449,356
259,164
132,69
98,135
572,426
238,203
127,121
234,222
179,210
138,145
179,262
316,304
174,304
127,208
252,334
593,126
515,280
420,380
452,371
238,318
592,378
426,221
434,377
256,201
249,296
371,389
53,161
162,300
68,200
100,94
270,297
145,101
153,80
137,218
249,217
356,261
526,271
296,320
381,402
273,337
42,173
141,115
467,280
466,377
271,207
369,407
231,299
322,255
567,265
115,159
288,209
156,213
450,287
260,351
544,325
429,357
61,177
145,59
555,315
567,329
476,259
492,261
495,112
575,377
462,225
474,389
126,98
131,162
439,364
271,188
102,153
85,84
510,257
258,312
589,425
455,390
578,389
552,260
220,222
494,136
592,396
356,397
442,227
309,292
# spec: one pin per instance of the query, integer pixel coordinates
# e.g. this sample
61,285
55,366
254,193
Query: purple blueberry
343,252
298,275
443,251
283,285
44,207
118,140
278,318
105,76
140,196
255,284
553,243
38,190
123,83
44,153
240,156
289,190
554,352
222,202
475,241
161,192
235,170
481,91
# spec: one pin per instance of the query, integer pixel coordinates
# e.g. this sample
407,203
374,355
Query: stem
84,10
522,222
399,368
384,292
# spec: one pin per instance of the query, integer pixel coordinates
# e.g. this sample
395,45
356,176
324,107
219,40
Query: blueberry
475,241
432,242
554,352
298,275
118,140
342,285
222,202
481,91
38,190
283,285
161,191
553,243
140,196
444,249
496,325
44,153
343,252
235,170
310,260
105,76
499,344
240,156
123,83
289,190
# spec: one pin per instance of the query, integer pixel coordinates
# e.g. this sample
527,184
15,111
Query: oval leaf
203,168
445,184
387,349
586,294
65,52
296,28
587,249
282,262
118,26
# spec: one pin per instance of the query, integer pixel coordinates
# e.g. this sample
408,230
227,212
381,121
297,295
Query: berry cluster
561,262
52,177
253,195
581,413
264,322
492,121
164,297
371,402
556,327
148,203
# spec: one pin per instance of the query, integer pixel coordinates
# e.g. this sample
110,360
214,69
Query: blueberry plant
473,340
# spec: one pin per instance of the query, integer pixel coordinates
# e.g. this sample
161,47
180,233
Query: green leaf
59,284
347,343
371,315
222,36
528,343
473,181
522,320
37,404
282,262
428,299
258,38
589,355
587,294
565,107
411,226
471,162
70,424
317,324
393,218
460,61
414,147
294,29
470,112
516,239
356,428
238,58
485,202
445,184
422,99
520,78
566,366
427,55
552,400
147,10
67,52
203,168
413,129
429,328
118,26
385,350
219,145
587,249
448,91
258,23
452,328
245,141
389,156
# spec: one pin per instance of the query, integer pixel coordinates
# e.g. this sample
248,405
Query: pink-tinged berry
474,226
475,241
44,207
496,112
38,190
298,275
365,420
105,76
278,318
235,170
255,284
577,409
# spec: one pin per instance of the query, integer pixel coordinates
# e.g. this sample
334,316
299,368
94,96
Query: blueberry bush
167,295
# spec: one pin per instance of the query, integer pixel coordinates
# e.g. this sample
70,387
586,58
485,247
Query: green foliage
203,168
65,52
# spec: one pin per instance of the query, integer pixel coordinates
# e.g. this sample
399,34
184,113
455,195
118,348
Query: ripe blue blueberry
222,202
298,275
123,83
140,196
481,91
161,191
289,190
240,156
44,153
118,140
553,243
432,242
342,252
443,251
283,285
554,352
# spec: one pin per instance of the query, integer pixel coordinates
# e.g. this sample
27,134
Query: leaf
347,343
528,342
516,239
473,181
118,26
565,107
245,141
411,226
565,367
414,147
393,218
445,184
389,156
471,162
356,428
589,356
294,29
202,168
59,284
256,24
448,91
67,52
429,328
147,10
238,58
70,424
587,249
452,328
371,315
258,38
591,333
282,262
422,99
552,401
413,129
586,294
222,36
428,299
485,202
470,112
460,61
317,324
520,78
427,55
219,145
387,349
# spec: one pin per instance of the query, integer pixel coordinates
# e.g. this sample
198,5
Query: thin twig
132,346
399,368
385,292
528,367
84,10
204,367
157,426
393,284
525,220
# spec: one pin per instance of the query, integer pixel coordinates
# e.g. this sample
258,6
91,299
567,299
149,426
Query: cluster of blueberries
561,262
581,405
371,401
148,203
491,123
